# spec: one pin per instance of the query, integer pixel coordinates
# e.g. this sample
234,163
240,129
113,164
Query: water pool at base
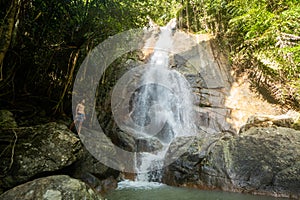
131,190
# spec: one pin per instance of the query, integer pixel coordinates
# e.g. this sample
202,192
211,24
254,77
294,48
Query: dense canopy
43,43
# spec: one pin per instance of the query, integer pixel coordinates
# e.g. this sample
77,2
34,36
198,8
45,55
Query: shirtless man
80,116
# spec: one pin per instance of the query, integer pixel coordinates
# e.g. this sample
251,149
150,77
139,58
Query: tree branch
6,31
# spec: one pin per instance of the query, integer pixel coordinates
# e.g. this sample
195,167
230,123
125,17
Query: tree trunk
187,16
73,61
6,31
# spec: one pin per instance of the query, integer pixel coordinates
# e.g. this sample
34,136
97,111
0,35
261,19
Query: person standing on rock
80,115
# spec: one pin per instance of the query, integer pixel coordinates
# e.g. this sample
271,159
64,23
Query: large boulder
183,168
52,188
87,163
93,172
262,160
184,171
30,152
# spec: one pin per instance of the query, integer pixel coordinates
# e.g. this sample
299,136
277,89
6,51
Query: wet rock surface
148,145
206,69
52,188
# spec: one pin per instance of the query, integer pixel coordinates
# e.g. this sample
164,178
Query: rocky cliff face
261,156
208,71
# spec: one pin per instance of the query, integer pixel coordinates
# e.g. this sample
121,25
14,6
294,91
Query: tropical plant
263,37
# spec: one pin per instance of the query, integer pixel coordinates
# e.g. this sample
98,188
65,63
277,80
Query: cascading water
162,108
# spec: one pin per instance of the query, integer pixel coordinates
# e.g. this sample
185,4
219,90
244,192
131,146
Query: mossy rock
7,119
52,188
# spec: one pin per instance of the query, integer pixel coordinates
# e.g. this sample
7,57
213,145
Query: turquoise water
129,190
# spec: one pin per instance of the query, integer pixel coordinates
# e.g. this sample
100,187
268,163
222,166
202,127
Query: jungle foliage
43,43
263,37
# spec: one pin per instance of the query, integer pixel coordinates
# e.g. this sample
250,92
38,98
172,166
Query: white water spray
162,108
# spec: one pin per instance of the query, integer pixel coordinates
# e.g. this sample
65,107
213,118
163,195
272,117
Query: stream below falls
135,190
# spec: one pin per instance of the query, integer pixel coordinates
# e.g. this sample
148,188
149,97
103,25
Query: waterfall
162,108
